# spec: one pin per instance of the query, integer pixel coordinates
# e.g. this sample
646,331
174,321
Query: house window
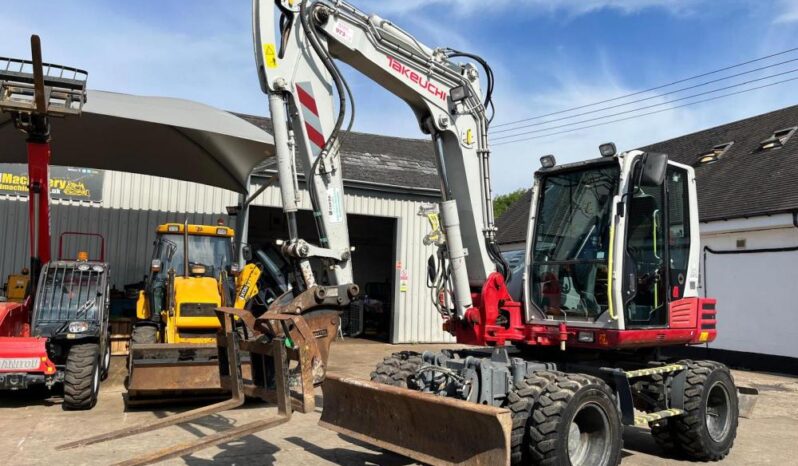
712,156
777,140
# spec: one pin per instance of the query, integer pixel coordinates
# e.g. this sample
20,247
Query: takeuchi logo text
417,79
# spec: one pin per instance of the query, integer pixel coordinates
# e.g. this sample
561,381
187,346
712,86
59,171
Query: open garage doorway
374,239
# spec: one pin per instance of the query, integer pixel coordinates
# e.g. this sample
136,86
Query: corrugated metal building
387,179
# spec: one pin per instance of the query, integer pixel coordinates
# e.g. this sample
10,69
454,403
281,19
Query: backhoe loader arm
296,44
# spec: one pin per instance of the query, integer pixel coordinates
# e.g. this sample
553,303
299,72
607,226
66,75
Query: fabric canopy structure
156,136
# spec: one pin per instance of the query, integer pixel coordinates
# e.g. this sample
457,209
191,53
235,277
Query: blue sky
548,55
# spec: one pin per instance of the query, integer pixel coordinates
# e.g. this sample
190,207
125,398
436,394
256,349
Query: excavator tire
520,401
144,334
398,369
699,434
576,423
82,377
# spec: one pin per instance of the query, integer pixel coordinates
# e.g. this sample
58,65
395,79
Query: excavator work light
608,149
548,161
459,93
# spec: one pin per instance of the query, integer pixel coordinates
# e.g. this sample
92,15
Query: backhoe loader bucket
427,428
174,373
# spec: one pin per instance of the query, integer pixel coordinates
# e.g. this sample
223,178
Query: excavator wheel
82,377
520,401
707,430
398,369
575,423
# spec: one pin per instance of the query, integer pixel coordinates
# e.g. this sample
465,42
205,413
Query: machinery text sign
70,183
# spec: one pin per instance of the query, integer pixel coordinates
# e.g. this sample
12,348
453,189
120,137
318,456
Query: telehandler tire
576,423
82,377
707,430
398,369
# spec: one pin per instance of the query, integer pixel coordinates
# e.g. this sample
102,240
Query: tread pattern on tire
144,334
552,402
398,369
82,362
682,435
520,401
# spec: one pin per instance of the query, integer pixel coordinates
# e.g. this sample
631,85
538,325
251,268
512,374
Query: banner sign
68,183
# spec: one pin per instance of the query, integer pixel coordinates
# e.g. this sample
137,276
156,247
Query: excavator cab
613,243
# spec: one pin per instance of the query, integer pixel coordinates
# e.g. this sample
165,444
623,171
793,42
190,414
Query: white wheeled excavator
611,270
611,274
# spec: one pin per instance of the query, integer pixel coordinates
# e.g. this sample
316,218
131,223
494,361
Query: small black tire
520,401
398,370
144,334
707,430
82,377
576,423
105,365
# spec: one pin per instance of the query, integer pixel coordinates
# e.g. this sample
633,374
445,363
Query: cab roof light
608,149
548,161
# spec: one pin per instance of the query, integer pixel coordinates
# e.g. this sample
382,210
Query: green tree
502,202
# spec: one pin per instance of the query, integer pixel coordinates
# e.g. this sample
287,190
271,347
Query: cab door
657,249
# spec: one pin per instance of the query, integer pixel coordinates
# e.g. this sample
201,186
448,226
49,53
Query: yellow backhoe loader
173,354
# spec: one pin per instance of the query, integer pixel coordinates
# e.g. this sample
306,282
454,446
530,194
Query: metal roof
381,160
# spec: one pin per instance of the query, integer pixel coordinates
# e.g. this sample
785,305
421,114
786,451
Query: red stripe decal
307,100
315,136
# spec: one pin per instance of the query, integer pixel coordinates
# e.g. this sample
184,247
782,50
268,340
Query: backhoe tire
144,334
82,377
520,401
398,369
707,430
575,423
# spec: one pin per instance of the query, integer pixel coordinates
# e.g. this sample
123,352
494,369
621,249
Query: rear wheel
398,369
575,423
82,376
144,334
708,428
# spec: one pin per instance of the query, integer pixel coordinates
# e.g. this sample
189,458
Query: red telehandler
57,333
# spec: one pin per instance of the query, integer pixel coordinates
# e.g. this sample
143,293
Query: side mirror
246,252
654,167
432,269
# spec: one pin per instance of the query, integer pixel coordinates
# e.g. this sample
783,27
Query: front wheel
82,376
576,423
144,334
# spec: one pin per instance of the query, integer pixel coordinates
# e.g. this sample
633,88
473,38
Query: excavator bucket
427,428
172,373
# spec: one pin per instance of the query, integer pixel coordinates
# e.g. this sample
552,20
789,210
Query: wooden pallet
120,336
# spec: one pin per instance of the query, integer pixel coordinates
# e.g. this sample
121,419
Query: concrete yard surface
33,425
